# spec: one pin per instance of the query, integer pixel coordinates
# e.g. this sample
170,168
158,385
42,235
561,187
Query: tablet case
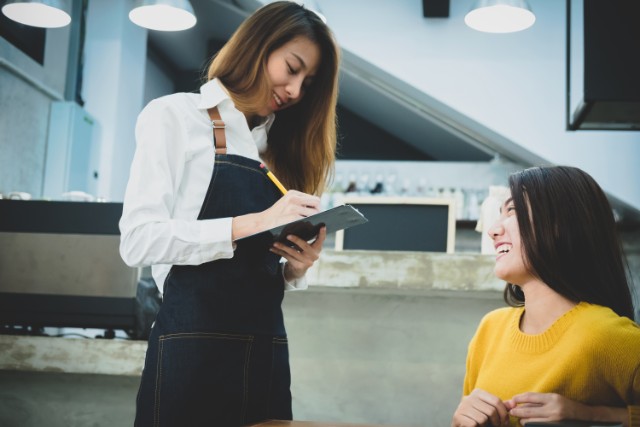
337,218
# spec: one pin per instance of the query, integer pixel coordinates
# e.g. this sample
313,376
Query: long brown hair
302,140
569,238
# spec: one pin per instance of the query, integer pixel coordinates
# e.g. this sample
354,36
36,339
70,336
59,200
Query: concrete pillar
115,54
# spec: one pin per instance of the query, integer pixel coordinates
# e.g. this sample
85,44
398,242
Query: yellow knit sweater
590,355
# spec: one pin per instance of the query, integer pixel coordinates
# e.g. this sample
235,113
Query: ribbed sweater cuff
634,416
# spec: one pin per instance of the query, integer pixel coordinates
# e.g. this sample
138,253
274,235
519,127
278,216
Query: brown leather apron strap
219,139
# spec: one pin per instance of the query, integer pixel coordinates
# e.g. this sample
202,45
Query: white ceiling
401,110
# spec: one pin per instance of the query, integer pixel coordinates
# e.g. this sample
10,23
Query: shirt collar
213,93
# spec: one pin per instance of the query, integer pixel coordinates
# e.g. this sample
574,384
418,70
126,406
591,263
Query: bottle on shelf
378,187
405,188
352,186
445,193
458,196
364,186
421,187
390,187
473,207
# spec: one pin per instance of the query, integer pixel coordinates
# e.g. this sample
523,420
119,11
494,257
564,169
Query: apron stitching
273,352
207,335
165,286
250,169
226,162
246,381
156,421
205,204
215,174
274,342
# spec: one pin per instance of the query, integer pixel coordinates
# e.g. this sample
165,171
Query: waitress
218,352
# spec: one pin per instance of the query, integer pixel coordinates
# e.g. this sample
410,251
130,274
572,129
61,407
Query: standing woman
218,350
567,348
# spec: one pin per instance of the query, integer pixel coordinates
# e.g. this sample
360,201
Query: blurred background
433,114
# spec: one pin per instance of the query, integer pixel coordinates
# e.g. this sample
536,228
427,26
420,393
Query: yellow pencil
273,178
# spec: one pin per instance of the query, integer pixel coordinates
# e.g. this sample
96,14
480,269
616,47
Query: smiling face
510,260
291,69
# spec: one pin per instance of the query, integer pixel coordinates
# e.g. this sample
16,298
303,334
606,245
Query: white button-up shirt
169,178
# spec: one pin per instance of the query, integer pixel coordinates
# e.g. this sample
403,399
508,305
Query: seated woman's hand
545,407
481,408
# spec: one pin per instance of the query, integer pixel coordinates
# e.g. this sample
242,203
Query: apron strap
219,139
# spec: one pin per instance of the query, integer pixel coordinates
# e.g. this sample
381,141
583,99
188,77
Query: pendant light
38,13
500,16
163,15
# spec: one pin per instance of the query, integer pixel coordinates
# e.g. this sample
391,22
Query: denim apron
218,352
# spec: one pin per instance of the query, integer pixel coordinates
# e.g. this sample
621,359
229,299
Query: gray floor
54,399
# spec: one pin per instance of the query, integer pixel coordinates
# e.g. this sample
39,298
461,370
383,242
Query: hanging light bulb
38,13
163,15
500,16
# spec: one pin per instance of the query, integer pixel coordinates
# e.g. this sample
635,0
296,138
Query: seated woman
567,348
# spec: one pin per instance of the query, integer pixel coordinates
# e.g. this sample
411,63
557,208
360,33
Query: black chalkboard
395,225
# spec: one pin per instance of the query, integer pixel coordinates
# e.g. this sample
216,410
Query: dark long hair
569,238
302,139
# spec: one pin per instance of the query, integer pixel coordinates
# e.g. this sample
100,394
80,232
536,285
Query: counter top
72,355
405,270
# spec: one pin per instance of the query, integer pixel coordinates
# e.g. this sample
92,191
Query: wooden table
277,423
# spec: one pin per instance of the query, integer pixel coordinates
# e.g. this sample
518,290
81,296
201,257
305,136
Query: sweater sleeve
474,351
469,375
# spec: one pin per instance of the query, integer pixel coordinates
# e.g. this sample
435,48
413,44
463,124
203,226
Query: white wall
114,71
512,83
27,89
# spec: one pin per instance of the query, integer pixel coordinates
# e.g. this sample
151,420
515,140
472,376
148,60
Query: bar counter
378,339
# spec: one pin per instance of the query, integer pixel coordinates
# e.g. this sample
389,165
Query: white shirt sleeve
150,234
296,284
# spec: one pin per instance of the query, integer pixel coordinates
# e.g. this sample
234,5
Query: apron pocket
280,390
202,379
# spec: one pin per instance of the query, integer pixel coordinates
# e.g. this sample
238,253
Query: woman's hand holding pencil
292,206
